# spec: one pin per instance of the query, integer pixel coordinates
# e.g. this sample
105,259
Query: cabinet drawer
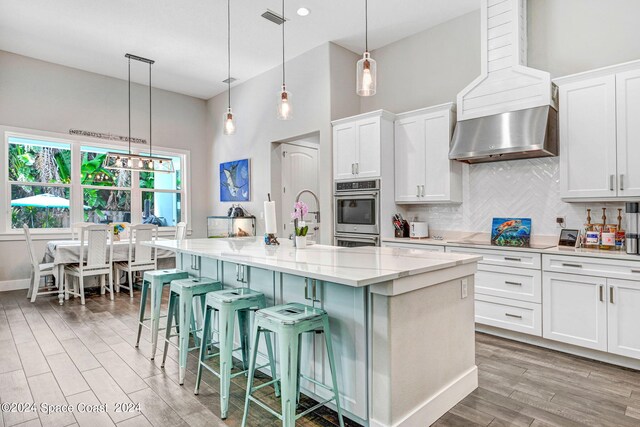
431,248
522,284
617,269
502,257
518,316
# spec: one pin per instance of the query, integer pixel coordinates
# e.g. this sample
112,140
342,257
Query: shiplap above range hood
510,110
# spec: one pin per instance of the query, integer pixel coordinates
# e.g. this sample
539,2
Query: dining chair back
38,270
181,231
138,252
77,227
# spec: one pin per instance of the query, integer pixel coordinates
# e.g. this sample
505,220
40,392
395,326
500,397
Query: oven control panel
373,184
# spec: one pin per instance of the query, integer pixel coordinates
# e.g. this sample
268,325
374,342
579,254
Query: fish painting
511,232
234,181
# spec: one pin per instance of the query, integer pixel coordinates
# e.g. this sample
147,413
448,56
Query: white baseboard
12,285
440,403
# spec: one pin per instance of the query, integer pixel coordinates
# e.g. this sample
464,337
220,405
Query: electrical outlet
465,288
561,221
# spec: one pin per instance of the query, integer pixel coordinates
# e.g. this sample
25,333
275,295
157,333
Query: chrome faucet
316,212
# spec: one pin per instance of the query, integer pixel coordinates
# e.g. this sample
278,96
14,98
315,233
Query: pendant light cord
129,94
366,25
150,144
229,51
283,22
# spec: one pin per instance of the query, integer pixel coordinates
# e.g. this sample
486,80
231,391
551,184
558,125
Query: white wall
316,90
44,96
431,67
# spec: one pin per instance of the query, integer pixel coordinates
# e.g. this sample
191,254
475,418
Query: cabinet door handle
513,283
571,265
611,295
612,180
357,168
621,182
515,316
601,293
635,271
306,288
512,259
353,168
422,190
417,191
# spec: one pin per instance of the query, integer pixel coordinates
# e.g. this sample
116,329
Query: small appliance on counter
400,226
631,236
418,230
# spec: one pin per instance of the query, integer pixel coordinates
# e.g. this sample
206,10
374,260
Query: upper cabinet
599,136
423,171
357,144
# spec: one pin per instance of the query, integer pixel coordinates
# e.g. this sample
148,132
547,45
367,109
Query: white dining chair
98,243
76,227
141,258
38,271
181,231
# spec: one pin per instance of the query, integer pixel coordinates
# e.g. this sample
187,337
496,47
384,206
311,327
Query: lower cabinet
624,317
575,310
519,316
593,312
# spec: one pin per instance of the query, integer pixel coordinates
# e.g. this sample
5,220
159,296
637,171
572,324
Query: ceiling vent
272,16
229,80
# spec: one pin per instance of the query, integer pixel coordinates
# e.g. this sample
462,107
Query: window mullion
136,199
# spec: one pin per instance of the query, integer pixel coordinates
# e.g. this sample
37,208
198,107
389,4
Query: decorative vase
301,242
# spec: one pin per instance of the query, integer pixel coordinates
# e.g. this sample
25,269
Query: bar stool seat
156,280
183,292
289,321
228,303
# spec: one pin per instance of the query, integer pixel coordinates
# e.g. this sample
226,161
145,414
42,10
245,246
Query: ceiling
188,38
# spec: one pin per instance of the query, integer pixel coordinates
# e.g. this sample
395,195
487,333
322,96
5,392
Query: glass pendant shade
229,123
284,104
366,76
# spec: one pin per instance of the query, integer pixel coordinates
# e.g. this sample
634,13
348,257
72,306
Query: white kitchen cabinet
628,131
574,310
357,144
599,133
624,317
423,171
588,138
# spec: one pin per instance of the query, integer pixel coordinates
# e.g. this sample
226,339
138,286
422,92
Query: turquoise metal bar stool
229,303
289,321
183,292
155,280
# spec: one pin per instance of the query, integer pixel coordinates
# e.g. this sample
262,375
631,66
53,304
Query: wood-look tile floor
85,355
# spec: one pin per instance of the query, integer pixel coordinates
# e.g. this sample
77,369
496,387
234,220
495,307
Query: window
53,182
106,193
39,178
161,196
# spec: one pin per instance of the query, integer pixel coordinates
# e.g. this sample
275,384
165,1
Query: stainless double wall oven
357,213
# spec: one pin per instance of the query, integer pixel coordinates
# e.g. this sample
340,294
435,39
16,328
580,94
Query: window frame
76,188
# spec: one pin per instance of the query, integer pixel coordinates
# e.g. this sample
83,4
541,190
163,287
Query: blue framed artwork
235,181
511,232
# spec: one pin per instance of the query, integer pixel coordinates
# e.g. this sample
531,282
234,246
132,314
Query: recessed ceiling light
303,11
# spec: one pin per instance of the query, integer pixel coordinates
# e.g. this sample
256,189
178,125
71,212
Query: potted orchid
300,209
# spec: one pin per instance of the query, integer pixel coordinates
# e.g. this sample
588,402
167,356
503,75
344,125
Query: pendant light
229,123
284,96
366,68
138,162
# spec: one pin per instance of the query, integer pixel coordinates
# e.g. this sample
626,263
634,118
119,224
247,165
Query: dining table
65,252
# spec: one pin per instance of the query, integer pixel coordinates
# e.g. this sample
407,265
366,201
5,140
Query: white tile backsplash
516,188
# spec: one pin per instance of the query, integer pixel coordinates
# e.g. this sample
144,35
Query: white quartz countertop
357,267
555,250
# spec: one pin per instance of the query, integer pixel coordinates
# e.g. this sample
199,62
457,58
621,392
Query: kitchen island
402,320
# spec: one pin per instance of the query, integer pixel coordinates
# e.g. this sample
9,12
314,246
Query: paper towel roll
270,222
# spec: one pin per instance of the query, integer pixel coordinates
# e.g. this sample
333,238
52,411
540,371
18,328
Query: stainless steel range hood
510,110
522,134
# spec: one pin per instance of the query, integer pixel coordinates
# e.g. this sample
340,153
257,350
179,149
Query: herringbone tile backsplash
516,188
